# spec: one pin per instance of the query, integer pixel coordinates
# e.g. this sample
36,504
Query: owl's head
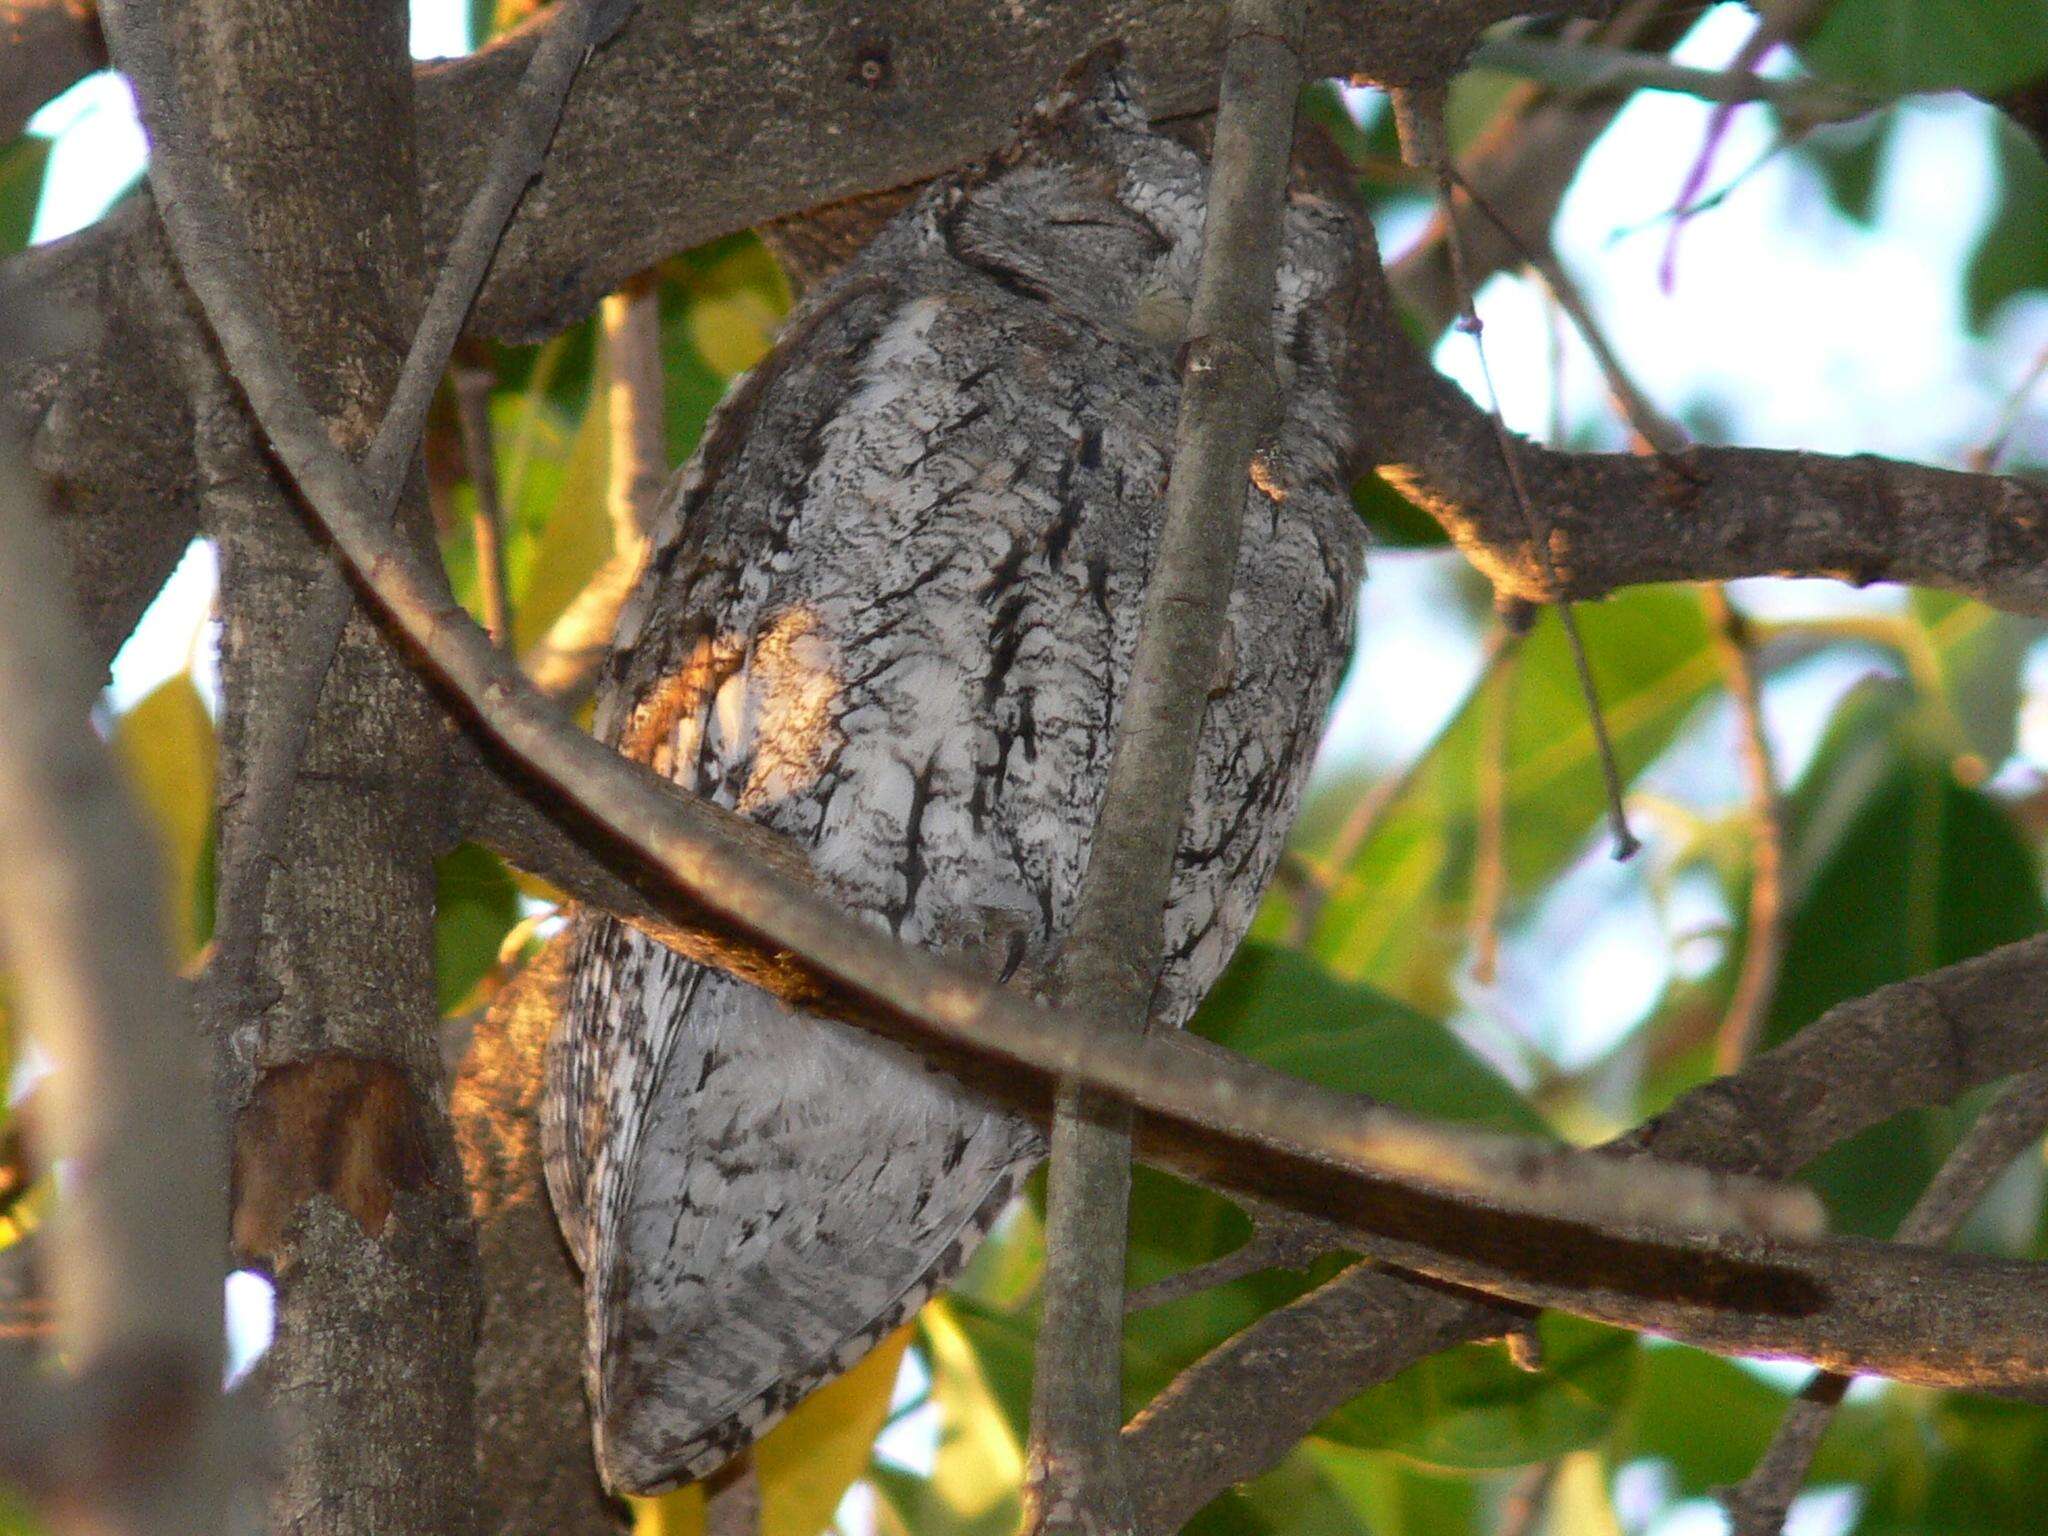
1093,209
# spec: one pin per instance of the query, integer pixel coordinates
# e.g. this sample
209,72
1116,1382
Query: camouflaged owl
890,615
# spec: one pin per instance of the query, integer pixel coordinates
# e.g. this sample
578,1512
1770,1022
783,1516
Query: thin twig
735,894
1778,24
1654,432
1323,876
1419,113
1281,1239
564,663
1112,953
1984,458
1763,953
1588,67
277,748
1489,855
132,1249
473,386
2019,1117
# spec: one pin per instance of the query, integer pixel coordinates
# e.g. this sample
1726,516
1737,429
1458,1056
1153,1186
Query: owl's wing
666,665
756,1198
768,1221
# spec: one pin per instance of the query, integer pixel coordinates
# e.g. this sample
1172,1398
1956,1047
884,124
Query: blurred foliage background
1449,933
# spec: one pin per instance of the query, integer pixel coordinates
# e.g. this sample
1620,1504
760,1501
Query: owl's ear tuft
1096,92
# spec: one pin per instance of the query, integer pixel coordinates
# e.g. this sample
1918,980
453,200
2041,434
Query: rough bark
351,1190
900,91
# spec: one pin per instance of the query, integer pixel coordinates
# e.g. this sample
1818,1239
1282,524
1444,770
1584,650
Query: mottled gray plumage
890,615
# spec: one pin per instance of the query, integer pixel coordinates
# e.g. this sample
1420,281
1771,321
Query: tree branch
694,90
1906,1046
1709,514
1112,953
346,1185
285,723
2005,1130
132,1264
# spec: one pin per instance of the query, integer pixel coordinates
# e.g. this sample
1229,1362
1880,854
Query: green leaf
1897,869
1709,1420
1472,1409
2012,255
1281,1009
1293,1498
1396,916
1850,158
576,536
720,308
981,1384
1394,1497
1286,1012
475,906
1973,659
22,164
165,743
1395,521
1972,1465
1891,47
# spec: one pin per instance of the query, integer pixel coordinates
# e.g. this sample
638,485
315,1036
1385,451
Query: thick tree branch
284,724
694,90
1709,514
347,1189
132,1264
1911,1045
1111,955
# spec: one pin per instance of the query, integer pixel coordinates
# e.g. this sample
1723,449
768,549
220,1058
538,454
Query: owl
890,615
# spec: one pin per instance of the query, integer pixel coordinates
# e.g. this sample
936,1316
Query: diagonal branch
1112,954
1910,1045
287,720
2005,1130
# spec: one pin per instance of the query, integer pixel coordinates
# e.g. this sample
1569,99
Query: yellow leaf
166,744
980,1465
1579,1501
736,307
732,331
808,1461
577,538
